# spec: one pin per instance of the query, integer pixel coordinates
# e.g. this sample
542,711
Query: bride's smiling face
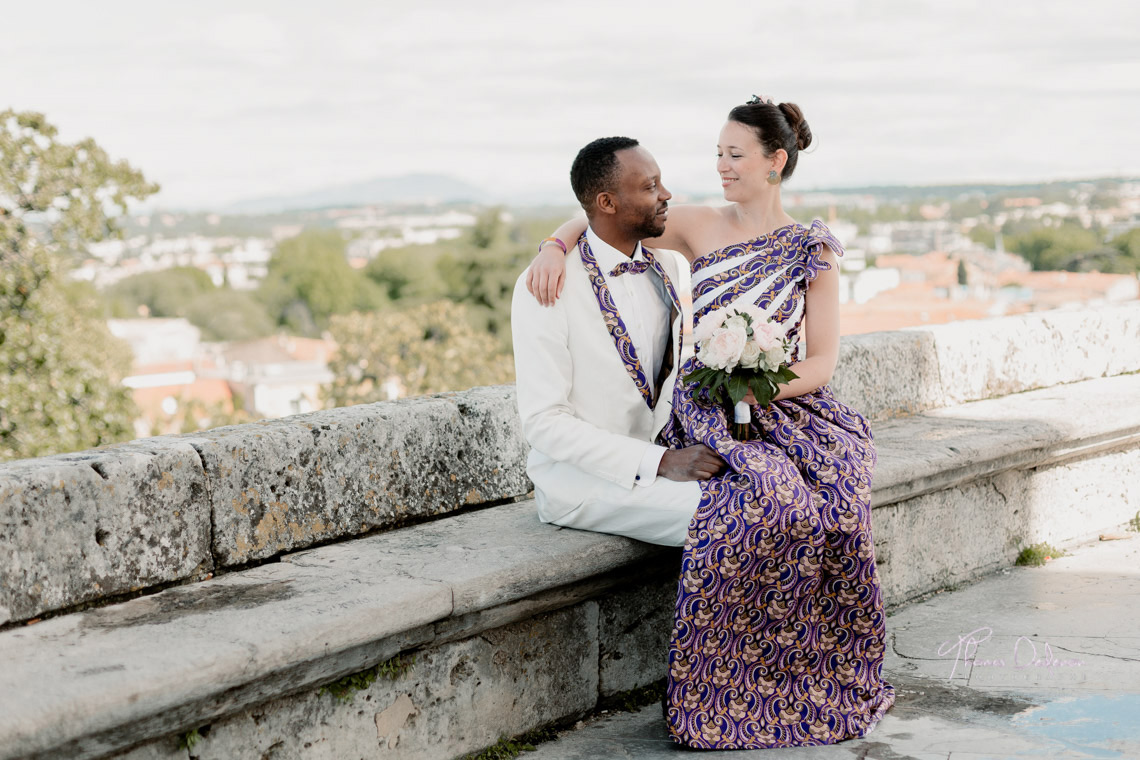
741,163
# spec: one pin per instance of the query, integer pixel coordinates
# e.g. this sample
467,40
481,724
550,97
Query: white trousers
658,513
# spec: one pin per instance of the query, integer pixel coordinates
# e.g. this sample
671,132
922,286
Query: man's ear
605,203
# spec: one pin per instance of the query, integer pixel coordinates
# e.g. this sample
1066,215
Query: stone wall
95,525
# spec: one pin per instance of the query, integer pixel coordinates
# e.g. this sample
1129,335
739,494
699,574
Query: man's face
642,201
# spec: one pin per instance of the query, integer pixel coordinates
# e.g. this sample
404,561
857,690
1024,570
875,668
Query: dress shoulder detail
816,237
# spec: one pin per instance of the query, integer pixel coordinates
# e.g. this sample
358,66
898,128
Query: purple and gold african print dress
779,630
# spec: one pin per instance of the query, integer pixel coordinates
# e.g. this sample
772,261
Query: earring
773,178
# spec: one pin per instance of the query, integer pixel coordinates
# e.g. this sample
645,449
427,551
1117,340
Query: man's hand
690,463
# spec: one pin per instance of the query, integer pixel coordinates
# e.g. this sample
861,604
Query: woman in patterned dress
779,634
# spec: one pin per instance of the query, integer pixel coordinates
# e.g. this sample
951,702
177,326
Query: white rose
708,325
722,350
767,335
750,356
754,312
737,322
775,356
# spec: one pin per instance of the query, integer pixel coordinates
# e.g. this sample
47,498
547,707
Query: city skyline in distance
447,190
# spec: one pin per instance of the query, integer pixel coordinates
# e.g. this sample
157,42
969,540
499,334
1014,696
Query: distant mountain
408,188
911,192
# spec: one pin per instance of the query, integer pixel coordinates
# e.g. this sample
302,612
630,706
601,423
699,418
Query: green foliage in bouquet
735,386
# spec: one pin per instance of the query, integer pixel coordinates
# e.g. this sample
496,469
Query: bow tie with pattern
633,267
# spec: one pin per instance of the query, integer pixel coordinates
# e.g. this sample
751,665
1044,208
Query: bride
778,633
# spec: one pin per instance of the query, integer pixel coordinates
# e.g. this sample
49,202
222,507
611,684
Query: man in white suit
595,371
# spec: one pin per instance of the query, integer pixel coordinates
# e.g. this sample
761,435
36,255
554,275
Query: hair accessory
552,240
773,178
759,100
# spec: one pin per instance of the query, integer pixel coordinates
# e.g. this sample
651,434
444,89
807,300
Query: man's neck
620,240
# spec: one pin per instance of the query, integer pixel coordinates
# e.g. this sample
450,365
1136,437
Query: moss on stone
187,740
1038,554
506,749
634,699
345,688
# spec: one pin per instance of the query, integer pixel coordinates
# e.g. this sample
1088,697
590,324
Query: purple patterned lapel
613,320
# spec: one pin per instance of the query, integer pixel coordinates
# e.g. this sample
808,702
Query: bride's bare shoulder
691,225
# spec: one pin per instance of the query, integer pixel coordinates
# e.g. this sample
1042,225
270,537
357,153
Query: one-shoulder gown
779,634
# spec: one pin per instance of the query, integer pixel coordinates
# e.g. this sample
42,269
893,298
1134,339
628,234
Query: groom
595,371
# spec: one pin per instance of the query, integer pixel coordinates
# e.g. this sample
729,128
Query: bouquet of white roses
741,350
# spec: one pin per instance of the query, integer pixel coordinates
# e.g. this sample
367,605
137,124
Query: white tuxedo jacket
586,421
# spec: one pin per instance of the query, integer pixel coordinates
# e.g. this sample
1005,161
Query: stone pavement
1028,663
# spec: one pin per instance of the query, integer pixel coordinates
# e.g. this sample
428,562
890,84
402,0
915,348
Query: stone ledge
941,448
95,524
173,509
289,483
109,678
893,374
84,526
114,676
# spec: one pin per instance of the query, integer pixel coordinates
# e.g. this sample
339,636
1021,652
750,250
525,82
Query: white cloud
220,101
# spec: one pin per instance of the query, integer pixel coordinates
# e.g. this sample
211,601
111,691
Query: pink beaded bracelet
552,240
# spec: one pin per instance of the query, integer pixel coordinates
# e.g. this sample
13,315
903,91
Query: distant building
275,376
175,375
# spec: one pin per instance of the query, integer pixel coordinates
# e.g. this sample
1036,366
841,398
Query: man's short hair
595,168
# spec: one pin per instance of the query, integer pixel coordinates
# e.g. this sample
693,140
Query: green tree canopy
60,368
423,349
309,280
983,234
1128,243
1053,248
166,293
480,278
225,314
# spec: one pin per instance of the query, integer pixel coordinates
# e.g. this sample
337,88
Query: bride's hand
547,275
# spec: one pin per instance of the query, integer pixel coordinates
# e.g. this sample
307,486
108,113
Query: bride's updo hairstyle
776,127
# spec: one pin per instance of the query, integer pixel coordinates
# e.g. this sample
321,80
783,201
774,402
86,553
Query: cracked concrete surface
1029,662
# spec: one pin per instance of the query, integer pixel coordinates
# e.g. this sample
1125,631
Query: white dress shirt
643,302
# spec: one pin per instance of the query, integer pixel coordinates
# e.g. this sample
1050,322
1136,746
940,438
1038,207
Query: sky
225,101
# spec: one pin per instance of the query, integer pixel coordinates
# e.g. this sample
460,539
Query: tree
1128,243
484,281
309,280
167,293
424,349
486,229
963,277
984,235
60,368
1052,248
225,314
407,275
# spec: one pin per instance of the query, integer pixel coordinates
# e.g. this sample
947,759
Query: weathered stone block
83,526
459,697
1119,338
286,484
489,557
83,685
950,536
888,374
634,626
943,447
996,357
166,748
